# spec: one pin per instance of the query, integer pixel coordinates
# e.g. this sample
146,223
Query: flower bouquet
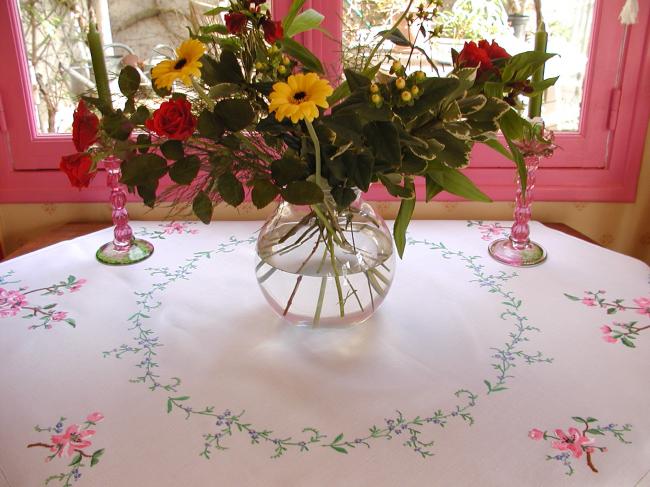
246,109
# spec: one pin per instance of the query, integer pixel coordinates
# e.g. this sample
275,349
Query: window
600,112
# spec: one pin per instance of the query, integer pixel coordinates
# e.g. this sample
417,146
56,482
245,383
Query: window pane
510,22
59,63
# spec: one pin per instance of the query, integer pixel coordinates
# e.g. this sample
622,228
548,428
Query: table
175,372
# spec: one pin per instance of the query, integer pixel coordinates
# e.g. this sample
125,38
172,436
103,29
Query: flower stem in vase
518,250
124,249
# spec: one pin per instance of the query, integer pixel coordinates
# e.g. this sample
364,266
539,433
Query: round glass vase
325,267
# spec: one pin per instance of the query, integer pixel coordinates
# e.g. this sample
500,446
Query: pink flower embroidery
572,441
59,315
535,434
77,285
610,339
73,438
605,329
95,417
11,302
172,227
644,304
589,301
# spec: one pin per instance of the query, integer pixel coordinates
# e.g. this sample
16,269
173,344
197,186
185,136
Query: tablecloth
175,372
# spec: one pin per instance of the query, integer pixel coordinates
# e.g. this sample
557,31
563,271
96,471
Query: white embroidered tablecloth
175,371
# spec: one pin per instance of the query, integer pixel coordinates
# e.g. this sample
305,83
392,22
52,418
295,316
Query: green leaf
264,192
211,29
343,196
172,149
391,183
434,91
412,164
142,169
512,124
578,419
521,66
94,460
143,140
294,8
627,342
226,70
338,438
541,86
611,311
237,114
455,182
209,125
140,115
287,169
594,431
339,449
402,221
356,80
359,168
147,191
432,188
456,151
215,11
383,140
302,54
494,109
343,90
202,207
117,126
496,145
129,81
493,89
471,104
170,406
76,460
395,36
185,170
307,20
223,90
302,193
231,189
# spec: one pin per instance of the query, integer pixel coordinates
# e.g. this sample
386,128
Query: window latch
614,102
3,120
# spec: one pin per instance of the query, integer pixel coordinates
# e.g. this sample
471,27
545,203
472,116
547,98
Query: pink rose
572,441
95,417
74,439
610,339
535,434
59,315
589,301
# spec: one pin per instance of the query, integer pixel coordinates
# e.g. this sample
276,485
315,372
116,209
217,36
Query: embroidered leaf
170,405
611,311
339,449
96,456
76,460
572,298
594,431
627,342
578,419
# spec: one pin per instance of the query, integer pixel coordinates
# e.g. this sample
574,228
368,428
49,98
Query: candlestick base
138,251
504,251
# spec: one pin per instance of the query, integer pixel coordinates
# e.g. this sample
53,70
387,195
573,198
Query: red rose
273,30
77,167
236,22
472,55
173,119
84,127
494,50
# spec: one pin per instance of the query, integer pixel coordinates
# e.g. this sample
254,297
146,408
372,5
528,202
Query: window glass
512,23
59,63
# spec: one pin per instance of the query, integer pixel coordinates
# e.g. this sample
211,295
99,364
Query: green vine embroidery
507,355
408,430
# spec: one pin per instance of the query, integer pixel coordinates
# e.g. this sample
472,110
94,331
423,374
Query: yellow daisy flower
299,97
185,65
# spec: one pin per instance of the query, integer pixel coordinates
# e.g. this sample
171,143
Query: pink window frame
599,162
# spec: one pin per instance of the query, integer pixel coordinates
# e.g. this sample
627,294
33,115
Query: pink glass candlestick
518,250
124,249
